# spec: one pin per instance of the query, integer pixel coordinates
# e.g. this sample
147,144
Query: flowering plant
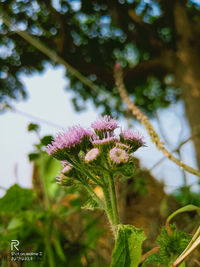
97,157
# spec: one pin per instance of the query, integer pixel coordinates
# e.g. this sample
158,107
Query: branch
157,66
123,15
187,253
153,250
144,120
175,150
30,116
64,34
51,54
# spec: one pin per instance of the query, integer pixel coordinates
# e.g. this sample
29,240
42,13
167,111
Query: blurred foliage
171,246
54,220
48,219
184,195
32,127
92,36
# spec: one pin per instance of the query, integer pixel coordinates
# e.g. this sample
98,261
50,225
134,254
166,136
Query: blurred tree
155,41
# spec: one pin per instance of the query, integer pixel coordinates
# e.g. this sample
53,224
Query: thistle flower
104,141
69,139
65,181
67,168
134,139
118,155
105,123
92,154
106,138
64,163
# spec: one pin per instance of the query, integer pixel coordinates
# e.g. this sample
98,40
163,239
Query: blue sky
50,100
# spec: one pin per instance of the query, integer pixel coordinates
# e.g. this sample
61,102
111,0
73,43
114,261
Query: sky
49,100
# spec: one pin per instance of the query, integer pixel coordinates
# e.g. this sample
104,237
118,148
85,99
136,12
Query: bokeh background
157,44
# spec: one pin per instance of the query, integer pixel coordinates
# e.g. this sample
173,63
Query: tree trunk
188,73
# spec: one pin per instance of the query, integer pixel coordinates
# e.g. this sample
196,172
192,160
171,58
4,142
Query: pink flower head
92,154
104,141
107,137
73,136
67,168
65,181
133,138
64,163
118,155
105,123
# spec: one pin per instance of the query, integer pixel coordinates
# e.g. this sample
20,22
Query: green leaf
91,204
15,199
15,223
183,209
59,249
171,246
46,140
128,247
33,156
33,127
49,169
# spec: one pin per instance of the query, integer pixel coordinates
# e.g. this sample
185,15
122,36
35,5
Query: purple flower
118,155
104,141
105,123
107,137
63,178
59,179
67,168
73,136
130,135
92,154
64,163
65,181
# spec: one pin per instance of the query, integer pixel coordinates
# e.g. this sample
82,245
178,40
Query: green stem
113,200
108,207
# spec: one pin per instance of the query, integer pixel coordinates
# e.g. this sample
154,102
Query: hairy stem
111,202
113,199
108,204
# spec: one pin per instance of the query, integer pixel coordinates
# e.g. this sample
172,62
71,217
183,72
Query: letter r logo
14,244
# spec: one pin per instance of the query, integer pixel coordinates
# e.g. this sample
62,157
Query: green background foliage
92,36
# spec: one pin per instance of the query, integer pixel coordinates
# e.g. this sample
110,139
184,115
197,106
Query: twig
30,116
195,240
197,262
187,253
153,250
175,150
118,75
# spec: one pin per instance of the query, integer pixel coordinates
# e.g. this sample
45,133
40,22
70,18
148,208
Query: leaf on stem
128,247
91,204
